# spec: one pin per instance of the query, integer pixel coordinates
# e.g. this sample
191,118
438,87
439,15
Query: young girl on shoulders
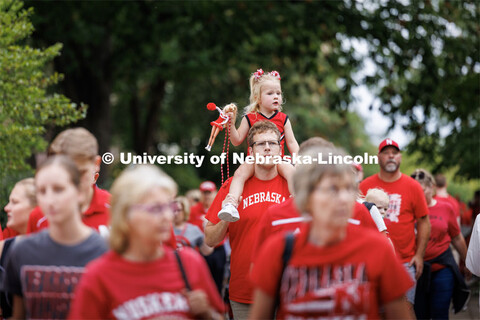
266,101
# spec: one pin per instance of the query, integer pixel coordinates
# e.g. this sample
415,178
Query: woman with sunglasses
141,278
441,276
187,234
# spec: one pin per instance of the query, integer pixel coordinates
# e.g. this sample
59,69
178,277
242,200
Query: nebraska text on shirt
151,305
263,197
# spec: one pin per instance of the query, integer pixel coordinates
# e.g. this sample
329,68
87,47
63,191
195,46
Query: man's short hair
317,142
261,127
440,180
77,143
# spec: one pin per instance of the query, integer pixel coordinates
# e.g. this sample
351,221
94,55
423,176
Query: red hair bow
275,74
257,74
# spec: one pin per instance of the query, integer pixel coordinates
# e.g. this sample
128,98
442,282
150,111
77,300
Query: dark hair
66,163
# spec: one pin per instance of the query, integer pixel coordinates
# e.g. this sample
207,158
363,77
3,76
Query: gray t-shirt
191,236
46,273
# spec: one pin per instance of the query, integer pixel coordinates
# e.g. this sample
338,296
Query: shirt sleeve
89,302
420,204
453,228
473,254
12,282
216,205
394,280
377,218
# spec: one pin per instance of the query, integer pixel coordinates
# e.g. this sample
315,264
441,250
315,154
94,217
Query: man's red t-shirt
285,217
407,204
351,279
257,196
96,216
444,229
453,202
197,214
9,233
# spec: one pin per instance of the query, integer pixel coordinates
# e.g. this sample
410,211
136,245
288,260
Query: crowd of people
279,241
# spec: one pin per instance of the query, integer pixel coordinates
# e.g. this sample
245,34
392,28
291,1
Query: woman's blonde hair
184,206
307,176
28,185
256,84
129,188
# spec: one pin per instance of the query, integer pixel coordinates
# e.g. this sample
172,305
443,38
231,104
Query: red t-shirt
257,196
197,214
96,216
444,229
452,201
9,233
350,279
115,288
278,118
285,217
407,204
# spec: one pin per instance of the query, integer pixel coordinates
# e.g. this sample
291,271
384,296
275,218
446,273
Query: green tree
26,106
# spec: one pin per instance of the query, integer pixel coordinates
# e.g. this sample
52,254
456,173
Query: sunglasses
418,175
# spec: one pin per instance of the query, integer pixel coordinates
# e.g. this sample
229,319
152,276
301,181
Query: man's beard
390,166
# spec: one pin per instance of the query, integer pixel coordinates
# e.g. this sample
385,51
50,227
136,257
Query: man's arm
423,234
215,233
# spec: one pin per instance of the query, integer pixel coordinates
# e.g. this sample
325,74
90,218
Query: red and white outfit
96,216
278,118
350,279
285,217
9,233
407,204
257,196
221,120
115,288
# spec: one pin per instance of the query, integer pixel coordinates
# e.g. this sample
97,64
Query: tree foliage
27,108
147,69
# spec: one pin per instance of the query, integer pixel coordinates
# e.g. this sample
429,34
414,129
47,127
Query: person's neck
322,236
88,199
69,232
180,225
442,192
265,173
138,252
389,176
267,113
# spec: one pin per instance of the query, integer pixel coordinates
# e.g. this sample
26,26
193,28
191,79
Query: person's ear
98,162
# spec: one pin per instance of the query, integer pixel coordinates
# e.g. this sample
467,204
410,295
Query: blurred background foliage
147,69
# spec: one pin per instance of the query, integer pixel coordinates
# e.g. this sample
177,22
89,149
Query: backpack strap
182,270
287,254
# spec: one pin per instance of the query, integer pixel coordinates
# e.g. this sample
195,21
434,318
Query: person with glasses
141,277
264,189
187,234
441,278
266,100
407,209
332,269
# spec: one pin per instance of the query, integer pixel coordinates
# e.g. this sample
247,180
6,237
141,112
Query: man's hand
418,262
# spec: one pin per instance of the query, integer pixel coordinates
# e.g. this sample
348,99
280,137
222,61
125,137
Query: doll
221,122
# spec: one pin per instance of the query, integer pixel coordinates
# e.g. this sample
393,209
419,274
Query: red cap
208,186
387,142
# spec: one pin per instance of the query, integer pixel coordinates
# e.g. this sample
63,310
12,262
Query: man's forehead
267,135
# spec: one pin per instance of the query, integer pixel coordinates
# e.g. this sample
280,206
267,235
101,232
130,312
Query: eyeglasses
418,175
156,209
273,144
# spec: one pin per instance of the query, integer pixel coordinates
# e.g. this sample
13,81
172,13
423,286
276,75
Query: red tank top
278,118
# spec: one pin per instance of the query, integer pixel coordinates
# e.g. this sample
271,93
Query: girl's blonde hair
129,188
256,84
